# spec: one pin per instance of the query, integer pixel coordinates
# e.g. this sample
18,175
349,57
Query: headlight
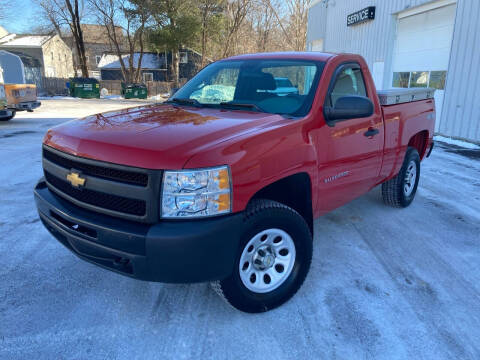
196,193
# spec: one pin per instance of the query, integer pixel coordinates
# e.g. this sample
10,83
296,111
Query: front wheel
273,259
400,191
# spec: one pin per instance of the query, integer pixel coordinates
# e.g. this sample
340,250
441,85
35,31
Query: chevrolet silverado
222,182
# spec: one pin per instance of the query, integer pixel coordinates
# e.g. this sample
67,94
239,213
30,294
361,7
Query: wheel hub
264,258
410,178
267,260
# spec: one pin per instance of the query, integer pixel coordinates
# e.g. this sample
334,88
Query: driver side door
349,159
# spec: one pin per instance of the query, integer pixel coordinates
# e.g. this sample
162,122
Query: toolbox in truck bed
403,95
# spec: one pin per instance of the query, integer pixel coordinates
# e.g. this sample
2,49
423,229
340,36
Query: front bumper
28,105
5,113
169,251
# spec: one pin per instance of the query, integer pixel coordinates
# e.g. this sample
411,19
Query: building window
97,59
437,79
148,76
401,79
420,79
183,57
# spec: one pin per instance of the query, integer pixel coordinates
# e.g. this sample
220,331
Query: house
3,32
97,43
48,51
155,67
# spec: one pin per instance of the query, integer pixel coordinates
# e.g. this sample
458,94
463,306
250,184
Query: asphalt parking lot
384,283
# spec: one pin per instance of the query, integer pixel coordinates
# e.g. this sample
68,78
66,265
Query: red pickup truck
223,181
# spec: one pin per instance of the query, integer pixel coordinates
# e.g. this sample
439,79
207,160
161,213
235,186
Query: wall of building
57,58
92,50
375,41
461,107
3,32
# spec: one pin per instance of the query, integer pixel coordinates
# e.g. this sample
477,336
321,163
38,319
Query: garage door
422,49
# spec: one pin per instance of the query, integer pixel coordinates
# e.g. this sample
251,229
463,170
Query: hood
155,136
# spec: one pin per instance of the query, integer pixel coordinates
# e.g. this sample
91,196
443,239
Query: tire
285,252
7,118
400,191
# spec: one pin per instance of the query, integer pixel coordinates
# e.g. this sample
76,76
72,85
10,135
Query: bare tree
68,13
265,25
124,22
297,22
236,13
292,19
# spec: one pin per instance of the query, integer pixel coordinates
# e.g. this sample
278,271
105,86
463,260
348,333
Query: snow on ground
456,142
56,97
385,283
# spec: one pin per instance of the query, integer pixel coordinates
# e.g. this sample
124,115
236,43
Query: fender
402,123
254,159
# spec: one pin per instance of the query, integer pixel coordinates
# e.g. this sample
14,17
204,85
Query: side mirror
349,107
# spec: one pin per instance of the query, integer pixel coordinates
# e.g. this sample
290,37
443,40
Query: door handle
371,132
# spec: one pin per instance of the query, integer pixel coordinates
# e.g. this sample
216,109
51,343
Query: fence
56,86
52,86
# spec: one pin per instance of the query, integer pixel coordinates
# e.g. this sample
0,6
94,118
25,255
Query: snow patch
461,143
112,97
56,98
24,40
159,97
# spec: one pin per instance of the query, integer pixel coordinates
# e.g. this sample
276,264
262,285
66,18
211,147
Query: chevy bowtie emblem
75,179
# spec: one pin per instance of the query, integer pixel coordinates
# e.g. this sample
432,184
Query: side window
349,82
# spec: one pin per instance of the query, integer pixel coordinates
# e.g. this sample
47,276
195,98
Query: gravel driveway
384,283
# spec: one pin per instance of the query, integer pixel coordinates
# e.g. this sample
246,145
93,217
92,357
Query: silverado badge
75,179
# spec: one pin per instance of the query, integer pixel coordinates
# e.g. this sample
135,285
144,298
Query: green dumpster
134,91
86,88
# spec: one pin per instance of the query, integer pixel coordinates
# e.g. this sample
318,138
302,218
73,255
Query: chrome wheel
410,178
267,260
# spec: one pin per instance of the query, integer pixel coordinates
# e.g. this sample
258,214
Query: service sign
361,16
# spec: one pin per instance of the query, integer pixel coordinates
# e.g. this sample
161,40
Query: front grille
96,198
124,176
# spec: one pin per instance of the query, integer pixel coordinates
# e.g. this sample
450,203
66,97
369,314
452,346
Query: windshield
254,85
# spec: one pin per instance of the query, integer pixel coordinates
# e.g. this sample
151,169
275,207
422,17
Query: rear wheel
272,261
9,117
400,191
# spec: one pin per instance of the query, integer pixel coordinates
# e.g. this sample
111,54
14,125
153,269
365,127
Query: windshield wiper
180,101
242,105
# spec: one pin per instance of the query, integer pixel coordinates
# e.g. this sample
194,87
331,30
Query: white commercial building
411,43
